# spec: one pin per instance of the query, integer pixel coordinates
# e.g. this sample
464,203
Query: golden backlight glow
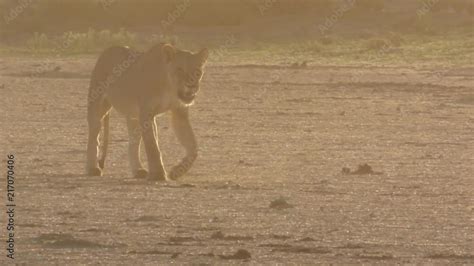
217,132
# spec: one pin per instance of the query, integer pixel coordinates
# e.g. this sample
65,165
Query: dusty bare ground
265,132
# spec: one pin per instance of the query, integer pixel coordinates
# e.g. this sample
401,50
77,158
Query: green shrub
313,47
395,39
377,44
39,42
93,41
424,25
327,40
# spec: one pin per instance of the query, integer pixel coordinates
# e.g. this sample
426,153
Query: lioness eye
197,73
180,72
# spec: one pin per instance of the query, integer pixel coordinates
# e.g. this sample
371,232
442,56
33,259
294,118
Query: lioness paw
176,172
141,173
182,168
96,171
157,177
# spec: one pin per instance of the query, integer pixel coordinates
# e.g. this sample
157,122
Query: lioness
141,85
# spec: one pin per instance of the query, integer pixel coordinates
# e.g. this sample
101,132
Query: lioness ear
203,55
169,52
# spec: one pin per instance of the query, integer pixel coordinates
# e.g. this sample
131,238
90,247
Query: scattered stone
93,229
186,185
346,170
181,239
301,249
352,246
280,236
241,254
220,236
229,185
146,218
375,256
214,220
450,256
303,64
154,252
306,239
65,241
324,182
467,99
280,203
210,254
275,245
362,169
217,235
29,225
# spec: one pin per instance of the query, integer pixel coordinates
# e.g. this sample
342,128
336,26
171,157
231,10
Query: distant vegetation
91,41
370,30
30,16
60,15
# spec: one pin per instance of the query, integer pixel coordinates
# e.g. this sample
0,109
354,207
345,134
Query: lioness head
186,71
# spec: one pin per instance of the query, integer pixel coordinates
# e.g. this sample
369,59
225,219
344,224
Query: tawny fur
141,85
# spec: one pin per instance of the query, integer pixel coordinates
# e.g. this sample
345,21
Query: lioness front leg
92,166
134,142
184,133
156,171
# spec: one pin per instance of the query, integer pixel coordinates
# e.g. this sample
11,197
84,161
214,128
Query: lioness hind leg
95,114
134,142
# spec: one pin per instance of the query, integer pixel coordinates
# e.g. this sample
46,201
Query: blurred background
328,28
300,101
